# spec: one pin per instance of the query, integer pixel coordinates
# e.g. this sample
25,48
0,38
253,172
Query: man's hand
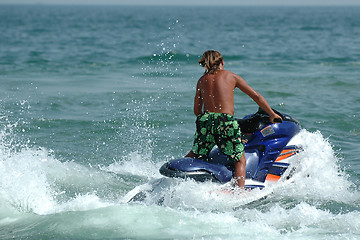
275,118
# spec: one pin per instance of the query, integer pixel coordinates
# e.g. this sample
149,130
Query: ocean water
94,99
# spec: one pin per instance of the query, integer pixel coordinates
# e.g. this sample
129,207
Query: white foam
209,196
31,179
317,175
301,220
24,181
82,203
135,164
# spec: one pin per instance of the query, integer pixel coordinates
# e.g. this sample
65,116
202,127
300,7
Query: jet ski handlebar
260,119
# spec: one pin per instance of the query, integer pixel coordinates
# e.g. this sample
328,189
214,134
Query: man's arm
257,97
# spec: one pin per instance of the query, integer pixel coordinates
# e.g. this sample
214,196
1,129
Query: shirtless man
214,108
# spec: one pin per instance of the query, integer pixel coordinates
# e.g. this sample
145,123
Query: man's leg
240,171
191,154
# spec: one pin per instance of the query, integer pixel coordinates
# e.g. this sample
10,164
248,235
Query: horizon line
185,5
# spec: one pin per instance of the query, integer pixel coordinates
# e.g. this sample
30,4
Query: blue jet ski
267,152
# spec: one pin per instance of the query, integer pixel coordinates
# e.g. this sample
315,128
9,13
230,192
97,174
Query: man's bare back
216,92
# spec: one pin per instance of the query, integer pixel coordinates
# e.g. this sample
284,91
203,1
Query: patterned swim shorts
219,129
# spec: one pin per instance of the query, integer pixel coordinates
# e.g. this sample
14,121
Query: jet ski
268,155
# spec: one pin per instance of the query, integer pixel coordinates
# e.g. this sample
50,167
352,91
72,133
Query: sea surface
94,99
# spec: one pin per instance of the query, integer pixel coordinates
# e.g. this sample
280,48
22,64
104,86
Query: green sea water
94,99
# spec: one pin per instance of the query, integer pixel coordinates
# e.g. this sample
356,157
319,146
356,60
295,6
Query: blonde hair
211,61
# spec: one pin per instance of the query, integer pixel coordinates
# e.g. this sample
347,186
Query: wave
317,180
34,181
64,199
313,28
45,196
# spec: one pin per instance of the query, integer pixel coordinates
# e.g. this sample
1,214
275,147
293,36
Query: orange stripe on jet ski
286,153
272,178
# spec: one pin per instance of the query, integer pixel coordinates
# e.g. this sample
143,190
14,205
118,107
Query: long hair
211,61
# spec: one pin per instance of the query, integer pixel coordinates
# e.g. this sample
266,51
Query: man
214,108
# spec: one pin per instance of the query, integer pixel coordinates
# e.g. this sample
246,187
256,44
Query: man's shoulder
228,73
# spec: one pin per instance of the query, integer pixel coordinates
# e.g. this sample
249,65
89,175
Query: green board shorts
219,129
